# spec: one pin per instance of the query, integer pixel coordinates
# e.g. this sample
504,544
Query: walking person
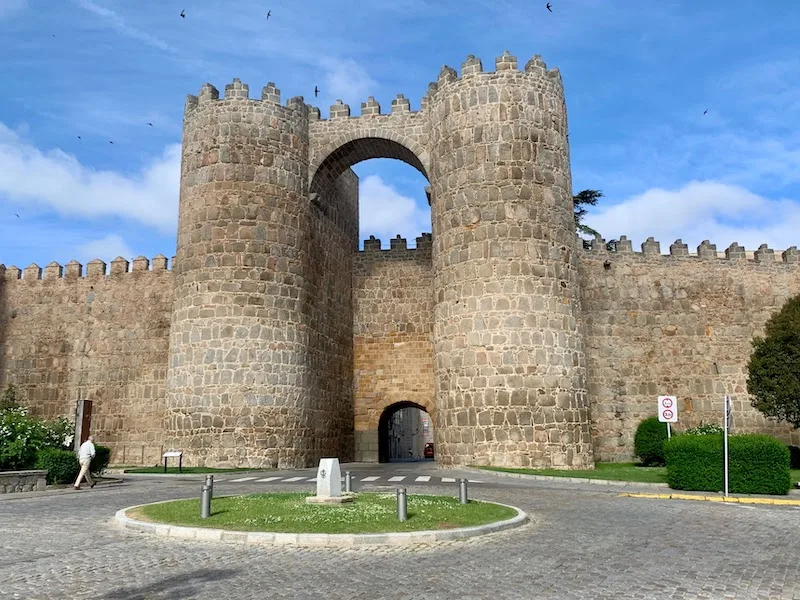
85,456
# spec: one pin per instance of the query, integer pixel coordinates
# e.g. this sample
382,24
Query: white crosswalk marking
311,479
370,478
397,478
473,481
292,479
423,478
242,479
448,480
266,479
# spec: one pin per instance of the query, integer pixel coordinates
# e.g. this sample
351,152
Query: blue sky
638,77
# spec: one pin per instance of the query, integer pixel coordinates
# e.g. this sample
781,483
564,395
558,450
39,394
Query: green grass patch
188,470
608,471
289,513
795,475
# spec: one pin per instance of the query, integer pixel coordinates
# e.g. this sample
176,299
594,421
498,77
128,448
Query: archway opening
405,434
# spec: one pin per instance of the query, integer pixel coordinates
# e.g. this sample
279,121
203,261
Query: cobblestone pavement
585,543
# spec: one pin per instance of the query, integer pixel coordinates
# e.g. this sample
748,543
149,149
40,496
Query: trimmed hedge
758,464
648,443
102,456
62,465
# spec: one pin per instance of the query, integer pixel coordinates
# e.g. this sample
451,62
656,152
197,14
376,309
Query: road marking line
242,479
397,478
735,499
292,479
267,479
448,480
473,481
370,478
425,478
311,479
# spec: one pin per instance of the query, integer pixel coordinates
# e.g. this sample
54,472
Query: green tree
774,367
580,200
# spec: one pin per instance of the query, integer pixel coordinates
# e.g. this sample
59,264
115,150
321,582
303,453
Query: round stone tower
242,369
509,360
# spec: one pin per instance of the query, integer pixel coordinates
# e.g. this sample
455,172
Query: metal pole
462,491
205,499
725,442
210,484
402,504
348,486
669,432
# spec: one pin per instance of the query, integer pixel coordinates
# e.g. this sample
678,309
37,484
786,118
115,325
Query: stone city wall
101,337
678,324
393,297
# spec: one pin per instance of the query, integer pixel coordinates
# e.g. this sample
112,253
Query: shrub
648,443
794,457
59,434
102,456
705,429
21,436
62,465
758,464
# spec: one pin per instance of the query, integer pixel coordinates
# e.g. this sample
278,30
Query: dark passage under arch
403,430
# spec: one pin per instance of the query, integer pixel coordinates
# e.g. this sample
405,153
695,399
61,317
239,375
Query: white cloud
347,80
57,180
120,25
719,212
384,212
8,8
106,249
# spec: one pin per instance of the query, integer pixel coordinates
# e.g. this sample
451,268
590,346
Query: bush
705,429
758,464
648,444
102,456
21,437
62,465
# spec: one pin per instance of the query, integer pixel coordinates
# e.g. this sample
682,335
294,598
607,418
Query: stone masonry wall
99,337
393,327
679,325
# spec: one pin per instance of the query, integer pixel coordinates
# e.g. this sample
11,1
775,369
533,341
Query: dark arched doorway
403,431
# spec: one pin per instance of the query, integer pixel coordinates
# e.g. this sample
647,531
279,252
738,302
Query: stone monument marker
329,483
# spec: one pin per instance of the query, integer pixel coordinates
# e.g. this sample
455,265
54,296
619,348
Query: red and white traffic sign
668,409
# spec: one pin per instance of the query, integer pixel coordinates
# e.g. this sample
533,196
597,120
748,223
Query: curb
565,479
243,473
336,540
733,499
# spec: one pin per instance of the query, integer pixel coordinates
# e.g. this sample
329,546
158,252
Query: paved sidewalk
592,544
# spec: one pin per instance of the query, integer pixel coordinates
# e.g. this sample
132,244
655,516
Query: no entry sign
668,409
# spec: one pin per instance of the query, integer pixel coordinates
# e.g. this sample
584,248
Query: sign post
727,417
668,411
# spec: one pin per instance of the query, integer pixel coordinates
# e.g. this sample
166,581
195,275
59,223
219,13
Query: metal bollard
462,491
348,482
205,497
402,504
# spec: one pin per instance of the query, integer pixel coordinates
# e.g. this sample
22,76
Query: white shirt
86,452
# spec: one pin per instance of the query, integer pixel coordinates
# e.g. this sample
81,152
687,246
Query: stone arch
383,425
354,147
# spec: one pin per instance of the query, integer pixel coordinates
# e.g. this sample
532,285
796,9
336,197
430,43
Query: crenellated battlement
94,268
238,92
705,251
397,244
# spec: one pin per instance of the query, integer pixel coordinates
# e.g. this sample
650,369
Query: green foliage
648,443
8,399
758,464
581,199
102,456
774,366
62,465
705,429
21,437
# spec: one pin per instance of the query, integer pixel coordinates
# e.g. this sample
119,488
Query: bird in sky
183,14
269,14
548,7
150,124
316,91
110,142
705,111
79,137
16,215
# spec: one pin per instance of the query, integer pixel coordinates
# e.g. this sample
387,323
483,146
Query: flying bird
705,111
548,7
316,91
150,124
79,137
269,14
183,14
16,215
110,142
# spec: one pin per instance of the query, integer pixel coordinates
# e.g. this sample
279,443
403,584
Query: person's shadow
185,585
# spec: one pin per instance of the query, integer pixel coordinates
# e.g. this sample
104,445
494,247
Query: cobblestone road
584,543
